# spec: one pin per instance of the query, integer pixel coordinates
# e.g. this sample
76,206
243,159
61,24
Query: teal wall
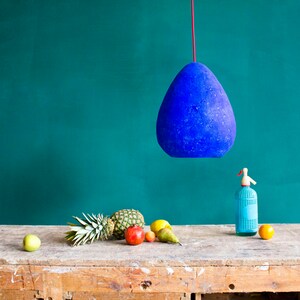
81,83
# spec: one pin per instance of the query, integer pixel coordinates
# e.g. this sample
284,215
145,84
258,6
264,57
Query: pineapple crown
90,228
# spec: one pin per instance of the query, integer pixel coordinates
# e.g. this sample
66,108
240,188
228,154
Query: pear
166,235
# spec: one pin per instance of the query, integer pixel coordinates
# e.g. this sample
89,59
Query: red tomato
134,235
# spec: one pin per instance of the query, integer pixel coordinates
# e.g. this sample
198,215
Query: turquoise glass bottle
246,211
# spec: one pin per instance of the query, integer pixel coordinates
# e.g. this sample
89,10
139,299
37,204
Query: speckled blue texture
195,118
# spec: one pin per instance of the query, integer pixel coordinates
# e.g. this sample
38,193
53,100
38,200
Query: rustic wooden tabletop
212,259
205,245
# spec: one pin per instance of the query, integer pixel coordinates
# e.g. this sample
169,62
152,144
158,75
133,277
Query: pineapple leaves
89,228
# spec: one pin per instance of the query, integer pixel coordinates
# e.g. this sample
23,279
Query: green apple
31,242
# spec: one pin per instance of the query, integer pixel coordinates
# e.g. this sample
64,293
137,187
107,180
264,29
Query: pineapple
125,218
92,227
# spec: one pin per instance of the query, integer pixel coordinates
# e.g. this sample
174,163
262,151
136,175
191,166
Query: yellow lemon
157,225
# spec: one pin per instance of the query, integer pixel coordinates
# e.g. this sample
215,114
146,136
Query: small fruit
266,231
134,235
166,235
150,236
31,242
157,225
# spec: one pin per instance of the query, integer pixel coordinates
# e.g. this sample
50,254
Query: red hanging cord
193,30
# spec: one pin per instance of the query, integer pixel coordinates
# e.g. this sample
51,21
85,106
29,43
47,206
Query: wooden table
212,260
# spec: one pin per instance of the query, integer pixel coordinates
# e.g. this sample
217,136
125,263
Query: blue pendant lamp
195,118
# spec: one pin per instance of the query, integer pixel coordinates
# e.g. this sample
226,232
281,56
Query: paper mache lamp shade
195,118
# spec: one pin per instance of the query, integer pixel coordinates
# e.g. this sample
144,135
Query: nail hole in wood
231,286
145,284
37,296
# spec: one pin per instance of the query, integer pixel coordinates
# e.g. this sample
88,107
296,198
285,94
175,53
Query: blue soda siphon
246,212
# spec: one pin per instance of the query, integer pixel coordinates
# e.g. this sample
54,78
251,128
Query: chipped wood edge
55,282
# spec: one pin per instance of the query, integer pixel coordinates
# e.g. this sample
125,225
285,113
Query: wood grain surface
212,259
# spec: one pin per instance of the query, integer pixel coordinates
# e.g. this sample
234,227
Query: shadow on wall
37,192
